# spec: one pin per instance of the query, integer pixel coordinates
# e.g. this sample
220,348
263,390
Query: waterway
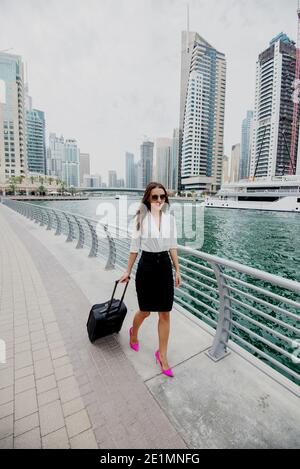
269,241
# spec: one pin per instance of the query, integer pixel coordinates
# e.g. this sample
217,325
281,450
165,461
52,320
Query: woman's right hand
125,277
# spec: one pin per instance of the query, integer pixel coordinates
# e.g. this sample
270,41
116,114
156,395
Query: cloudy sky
107,72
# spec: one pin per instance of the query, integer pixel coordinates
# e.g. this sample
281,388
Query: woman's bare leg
137,322
163,336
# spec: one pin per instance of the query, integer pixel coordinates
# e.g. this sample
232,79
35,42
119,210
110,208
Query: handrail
262,275
223,296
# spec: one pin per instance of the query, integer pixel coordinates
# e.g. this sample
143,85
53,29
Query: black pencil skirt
154,282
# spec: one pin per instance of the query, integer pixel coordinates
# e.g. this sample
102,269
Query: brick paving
56,389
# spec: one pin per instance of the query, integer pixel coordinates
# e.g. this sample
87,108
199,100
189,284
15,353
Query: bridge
116,190
4,188
233,346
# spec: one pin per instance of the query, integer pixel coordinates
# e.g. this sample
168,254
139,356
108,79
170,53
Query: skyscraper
71,163
112,178
36,145
13,158
55,156
273,113
163,161
146,163
247,126
202,108
129,176
85,165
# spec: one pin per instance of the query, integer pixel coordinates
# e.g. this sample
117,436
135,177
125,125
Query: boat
278,193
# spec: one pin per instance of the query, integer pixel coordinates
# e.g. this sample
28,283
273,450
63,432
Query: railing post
94,248
49,225
81,234
36,214
31,210
58,224
112,250
219,346
71,231
42,222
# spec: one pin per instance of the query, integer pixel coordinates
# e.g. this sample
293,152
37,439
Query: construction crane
295,123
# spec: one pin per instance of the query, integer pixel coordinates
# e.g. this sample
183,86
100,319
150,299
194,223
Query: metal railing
257,310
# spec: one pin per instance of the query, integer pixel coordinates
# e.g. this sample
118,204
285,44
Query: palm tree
72,190
41,190
62,187
12,184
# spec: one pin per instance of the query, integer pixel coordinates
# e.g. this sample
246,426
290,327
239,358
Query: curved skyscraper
202,109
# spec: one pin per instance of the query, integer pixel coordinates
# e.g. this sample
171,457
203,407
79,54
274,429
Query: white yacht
279,193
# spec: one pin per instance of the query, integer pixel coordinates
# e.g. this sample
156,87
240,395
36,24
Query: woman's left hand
177,279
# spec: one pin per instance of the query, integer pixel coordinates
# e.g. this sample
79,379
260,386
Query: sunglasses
161,196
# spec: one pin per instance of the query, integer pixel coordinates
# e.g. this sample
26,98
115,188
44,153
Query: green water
268,241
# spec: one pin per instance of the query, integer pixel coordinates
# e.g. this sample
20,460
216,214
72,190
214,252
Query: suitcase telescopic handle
116,283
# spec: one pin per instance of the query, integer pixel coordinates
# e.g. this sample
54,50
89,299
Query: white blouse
150,238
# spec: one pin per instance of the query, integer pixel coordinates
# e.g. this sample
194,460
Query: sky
107,72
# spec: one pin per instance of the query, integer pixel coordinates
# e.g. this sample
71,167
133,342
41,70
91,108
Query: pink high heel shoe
168,371
135,346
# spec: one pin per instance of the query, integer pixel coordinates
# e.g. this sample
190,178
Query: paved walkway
58,390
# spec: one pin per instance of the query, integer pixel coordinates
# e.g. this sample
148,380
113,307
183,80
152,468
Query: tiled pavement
56,389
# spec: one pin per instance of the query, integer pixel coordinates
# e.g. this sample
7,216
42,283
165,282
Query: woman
155,234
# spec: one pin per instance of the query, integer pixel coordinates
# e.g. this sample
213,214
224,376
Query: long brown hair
146,200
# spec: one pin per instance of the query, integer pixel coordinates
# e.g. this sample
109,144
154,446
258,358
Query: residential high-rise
36,141
13,157
163,161
55,156
129,172
84,166
273,113
202,109
235,162
246,140
146,163
71,163
112,178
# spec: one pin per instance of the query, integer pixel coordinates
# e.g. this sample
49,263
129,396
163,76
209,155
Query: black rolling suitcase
106,318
